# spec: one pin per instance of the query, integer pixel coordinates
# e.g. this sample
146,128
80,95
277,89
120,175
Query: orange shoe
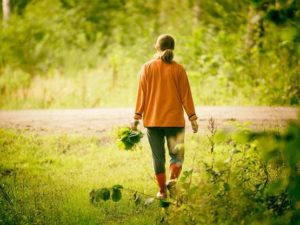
161,181
175,170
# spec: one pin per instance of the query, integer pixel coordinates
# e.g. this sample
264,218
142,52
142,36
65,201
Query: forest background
78,54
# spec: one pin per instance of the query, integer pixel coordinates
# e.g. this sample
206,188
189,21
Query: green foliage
257,183
164,203
116,193
127,138
49,177
105,194
100,194
248,176
229,50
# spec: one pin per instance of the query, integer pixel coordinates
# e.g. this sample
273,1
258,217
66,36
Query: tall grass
47,180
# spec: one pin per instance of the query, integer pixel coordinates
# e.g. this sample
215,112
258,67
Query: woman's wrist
135,122
193,117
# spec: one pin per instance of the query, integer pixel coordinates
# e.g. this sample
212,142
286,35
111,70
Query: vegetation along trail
97,121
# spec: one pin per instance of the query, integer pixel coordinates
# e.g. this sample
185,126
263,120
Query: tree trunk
255,29
6,10
197,11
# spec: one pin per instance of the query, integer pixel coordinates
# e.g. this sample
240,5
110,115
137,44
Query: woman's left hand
194,126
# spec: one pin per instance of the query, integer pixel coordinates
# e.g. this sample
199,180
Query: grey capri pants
175,143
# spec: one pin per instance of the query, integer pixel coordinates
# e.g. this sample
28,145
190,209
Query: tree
197,11
255,28
6,10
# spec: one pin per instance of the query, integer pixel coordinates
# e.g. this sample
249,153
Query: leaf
118,186
123,131
126,145
102,193
116,194
164,203
226,186
134,137
124,137
127,138
105,194
120,145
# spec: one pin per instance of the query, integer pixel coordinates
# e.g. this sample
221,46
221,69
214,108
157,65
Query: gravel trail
100,120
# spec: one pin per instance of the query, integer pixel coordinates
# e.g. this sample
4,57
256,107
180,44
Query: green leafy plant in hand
128,138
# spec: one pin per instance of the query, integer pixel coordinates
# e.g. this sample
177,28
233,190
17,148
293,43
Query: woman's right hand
134,124
194,126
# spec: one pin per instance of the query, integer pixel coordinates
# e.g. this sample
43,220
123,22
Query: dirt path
97,121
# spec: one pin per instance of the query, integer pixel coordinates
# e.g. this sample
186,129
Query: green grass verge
48,180
236,179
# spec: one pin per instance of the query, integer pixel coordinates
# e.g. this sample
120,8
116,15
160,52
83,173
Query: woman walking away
163,92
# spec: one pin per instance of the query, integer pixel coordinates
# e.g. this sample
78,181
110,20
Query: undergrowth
229,177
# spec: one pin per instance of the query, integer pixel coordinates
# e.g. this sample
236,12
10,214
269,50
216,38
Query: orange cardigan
163,92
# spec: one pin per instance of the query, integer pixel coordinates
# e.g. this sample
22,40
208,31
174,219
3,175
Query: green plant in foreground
115,194
47,180
128,138
255,179
105,194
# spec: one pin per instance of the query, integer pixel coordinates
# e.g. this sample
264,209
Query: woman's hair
166,44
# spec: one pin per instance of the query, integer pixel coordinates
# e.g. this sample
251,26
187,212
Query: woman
163,92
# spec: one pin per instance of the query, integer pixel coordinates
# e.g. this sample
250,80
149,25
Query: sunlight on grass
48,179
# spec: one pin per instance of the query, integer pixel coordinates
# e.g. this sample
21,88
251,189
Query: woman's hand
194,126
134,124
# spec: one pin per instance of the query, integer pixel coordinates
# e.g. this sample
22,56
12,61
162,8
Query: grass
111,86
48,180
236,180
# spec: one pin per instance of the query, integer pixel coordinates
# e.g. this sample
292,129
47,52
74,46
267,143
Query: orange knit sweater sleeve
141,95
186,96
